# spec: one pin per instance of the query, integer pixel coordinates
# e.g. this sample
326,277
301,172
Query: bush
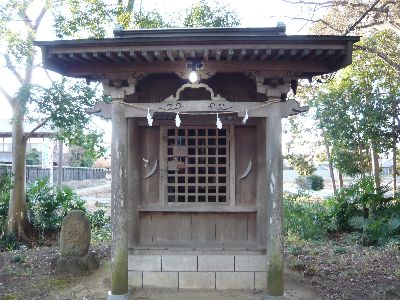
316,182
9,242
311,182
33,157
101,226
360,207
5,187
306,217
47,205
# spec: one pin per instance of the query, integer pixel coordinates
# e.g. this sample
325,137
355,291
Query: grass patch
56,283
8,297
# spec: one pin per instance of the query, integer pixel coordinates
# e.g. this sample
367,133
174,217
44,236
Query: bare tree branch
6,95
39,18
12,68
351,28
41,124
48,75
316,21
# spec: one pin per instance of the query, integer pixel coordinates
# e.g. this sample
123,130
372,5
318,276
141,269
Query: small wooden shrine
196,150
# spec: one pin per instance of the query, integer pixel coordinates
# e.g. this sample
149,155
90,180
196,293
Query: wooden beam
205,54
255,54
111,56
271,67
242,54
218,54
327,53
279,54
159,55
255,109
75,57
134,56
121,56
87,57
230,54
303,54
170,55
64,57
182,55
147,55
266,54
293,53
317,53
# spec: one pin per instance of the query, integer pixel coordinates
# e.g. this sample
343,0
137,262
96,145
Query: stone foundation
197,271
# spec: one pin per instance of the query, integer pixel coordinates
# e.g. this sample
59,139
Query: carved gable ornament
188,86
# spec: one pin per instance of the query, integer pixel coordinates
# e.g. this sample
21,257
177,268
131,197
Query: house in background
39,137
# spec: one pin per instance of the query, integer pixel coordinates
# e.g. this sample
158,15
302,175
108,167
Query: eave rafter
220,50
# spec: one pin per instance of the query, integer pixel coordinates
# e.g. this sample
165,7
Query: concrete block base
198,271
117,297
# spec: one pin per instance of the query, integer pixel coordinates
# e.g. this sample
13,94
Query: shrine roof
163,50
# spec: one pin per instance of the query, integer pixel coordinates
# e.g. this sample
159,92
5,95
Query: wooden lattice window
198,165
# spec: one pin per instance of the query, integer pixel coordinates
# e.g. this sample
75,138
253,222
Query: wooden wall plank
246,188
203,226
231,227
149,138
251,227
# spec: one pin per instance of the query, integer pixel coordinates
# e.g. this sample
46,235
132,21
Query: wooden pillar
134,182
119,211
274,198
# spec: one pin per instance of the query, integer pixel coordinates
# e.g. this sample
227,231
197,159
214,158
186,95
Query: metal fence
68,174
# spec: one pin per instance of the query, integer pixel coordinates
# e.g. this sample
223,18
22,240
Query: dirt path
97,284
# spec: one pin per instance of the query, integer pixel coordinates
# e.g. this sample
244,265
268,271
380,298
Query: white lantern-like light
177,120
193,77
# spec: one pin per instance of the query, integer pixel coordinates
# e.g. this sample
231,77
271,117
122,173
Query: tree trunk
331,173
375,167
394,148
340,180
17,213
60,164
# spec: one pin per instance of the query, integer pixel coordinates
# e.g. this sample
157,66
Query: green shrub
360,207
101,226
306,217
5,187
98,219
9,242
311,182
316,182
381,231
49,205
33,157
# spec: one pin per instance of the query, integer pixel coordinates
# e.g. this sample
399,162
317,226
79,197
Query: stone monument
74,245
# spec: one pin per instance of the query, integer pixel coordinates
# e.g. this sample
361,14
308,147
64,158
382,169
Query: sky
253,13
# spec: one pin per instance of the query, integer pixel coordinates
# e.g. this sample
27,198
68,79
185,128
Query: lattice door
197,164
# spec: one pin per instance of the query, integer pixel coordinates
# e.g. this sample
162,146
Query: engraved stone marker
75,234
74,245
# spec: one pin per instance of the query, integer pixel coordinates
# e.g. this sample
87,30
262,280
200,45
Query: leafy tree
77,157
356,112
62,104
33,157
202,14
302,164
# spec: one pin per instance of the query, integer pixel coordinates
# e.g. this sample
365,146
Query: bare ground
336,269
